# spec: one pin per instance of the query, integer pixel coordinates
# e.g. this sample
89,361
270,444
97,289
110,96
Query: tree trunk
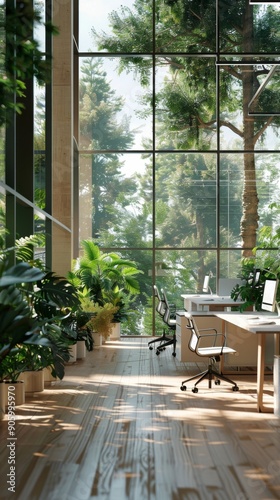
249,220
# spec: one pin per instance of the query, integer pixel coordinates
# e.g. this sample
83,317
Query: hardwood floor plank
119,427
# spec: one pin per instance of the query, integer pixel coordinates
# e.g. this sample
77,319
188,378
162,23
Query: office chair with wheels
213,353
165,310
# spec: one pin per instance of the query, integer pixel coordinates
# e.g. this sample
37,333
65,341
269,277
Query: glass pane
268,184
231,188
186,27
2,216
127,28
185,200
111,114
40,228
2,154
234,218
230,264
39,174
183,271
246,132
40,123
186,103
116,199
248,29
265,100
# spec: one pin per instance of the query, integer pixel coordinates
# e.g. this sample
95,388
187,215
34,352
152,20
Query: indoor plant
100,316
108,280
267,260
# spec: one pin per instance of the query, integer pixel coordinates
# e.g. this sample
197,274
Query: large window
179,136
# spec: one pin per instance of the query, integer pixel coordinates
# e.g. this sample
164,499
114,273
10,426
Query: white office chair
163,308
212,352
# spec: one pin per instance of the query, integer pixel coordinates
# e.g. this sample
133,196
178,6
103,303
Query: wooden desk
242,321
244,342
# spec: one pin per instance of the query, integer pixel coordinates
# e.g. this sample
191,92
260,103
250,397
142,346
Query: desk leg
222,357
260,375
276,344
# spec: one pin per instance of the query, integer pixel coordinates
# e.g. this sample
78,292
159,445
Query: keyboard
259,322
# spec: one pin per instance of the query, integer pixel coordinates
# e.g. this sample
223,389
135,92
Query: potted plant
107,279
247,291
100,317
267,261
31,309
84,335
11,368
17,324
122,301
32,306
76,325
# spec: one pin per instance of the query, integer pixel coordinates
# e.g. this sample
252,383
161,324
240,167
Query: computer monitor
206,288
269,295
257,275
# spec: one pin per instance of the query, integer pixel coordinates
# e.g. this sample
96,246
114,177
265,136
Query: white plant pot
73,353
81,349
33,380
14,393
116,332
48,378
2,400
97,338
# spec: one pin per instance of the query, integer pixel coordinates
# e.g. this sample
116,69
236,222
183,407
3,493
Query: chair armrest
216,334
208,330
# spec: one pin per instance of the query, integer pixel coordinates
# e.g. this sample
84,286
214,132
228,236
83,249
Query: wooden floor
118,427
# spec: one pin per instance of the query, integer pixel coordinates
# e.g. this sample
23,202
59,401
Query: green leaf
20,273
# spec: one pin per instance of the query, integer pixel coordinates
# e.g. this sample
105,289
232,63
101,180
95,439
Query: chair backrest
167,311
194,338
160,307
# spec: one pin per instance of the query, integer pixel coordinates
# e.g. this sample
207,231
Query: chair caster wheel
174,354
217,382
157,353
195,389
150,348
235,388
183,388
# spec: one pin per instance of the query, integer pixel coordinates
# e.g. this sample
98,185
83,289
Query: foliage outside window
179,158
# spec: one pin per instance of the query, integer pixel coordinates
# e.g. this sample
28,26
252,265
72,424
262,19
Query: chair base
209,374
164,341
